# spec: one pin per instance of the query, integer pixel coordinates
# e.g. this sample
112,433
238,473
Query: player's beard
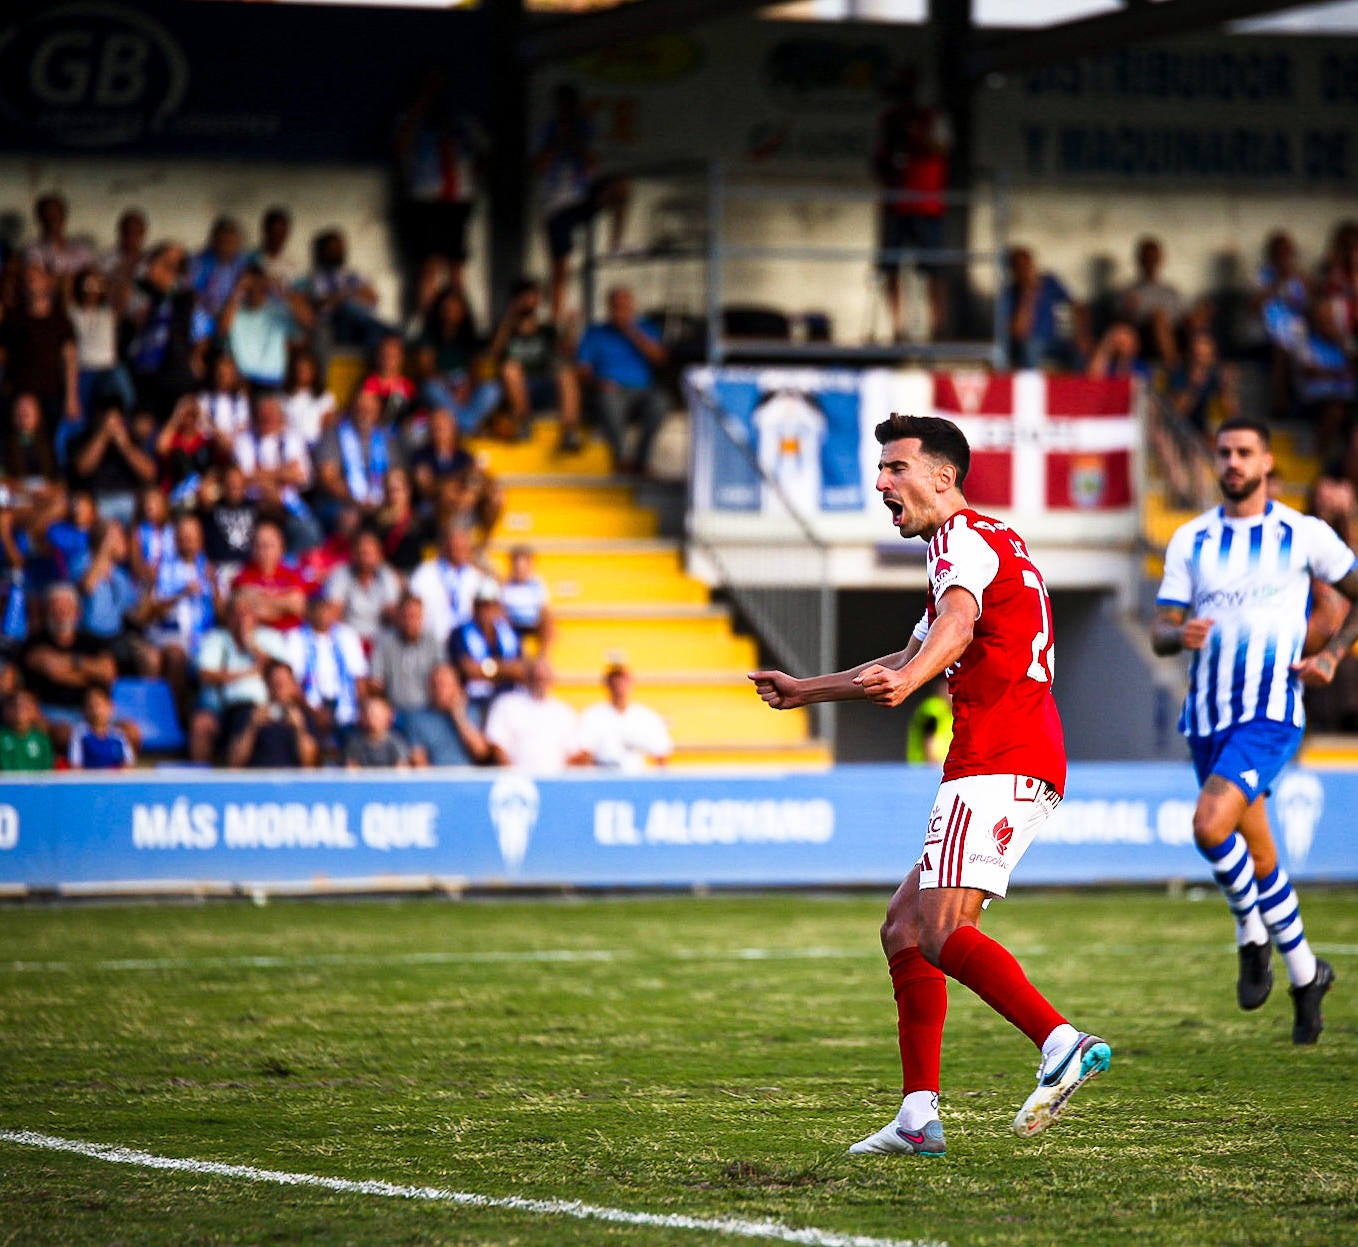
1242,490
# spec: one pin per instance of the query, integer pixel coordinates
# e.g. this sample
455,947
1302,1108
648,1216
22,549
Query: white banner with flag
1056,456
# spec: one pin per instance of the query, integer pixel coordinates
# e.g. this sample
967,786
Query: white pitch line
267,962
561,955
733,1227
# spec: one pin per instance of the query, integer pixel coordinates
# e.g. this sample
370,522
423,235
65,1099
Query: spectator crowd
1297,326
183,501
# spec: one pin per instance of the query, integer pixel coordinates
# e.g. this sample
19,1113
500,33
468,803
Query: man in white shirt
621,734
327,658
277,466
447,585
532,729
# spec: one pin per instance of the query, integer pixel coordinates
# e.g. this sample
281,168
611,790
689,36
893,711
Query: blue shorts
899,232
1248,755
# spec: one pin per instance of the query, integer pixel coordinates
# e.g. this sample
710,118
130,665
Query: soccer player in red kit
988,624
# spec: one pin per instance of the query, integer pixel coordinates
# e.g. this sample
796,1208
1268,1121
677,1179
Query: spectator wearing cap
485,650
276,591
443,734
405,656
327,658
620,733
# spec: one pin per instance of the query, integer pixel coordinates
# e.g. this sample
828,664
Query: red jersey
912,155
1005,720
283,580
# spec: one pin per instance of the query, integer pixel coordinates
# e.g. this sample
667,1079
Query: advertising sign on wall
848,825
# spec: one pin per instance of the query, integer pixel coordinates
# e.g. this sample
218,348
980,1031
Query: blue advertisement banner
1121,822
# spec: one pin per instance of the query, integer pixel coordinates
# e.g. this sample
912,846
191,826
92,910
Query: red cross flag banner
1043,443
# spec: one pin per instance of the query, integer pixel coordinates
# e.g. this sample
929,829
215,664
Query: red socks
989,969
921,1005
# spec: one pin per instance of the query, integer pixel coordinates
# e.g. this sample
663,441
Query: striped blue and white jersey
1252,577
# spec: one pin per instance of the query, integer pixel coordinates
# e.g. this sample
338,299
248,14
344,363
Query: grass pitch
710,1057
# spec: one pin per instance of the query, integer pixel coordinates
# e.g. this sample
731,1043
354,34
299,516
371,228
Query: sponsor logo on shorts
985,859
1002,833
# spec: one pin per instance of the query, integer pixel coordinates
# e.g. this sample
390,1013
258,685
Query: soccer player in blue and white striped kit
1237,593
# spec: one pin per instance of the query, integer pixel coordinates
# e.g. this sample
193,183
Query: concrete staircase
620,593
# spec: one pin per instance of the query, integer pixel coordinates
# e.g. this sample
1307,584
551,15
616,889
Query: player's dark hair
939,438
1246,424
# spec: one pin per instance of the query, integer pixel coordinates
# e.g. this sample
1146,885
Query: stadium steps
586,509
620,594
615,573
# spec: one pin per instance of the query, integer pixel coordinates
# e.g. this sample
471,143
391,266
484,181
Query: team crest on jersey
1002,834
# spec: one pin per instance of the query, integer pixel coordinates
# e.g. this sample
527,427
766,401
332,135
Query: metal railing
715,243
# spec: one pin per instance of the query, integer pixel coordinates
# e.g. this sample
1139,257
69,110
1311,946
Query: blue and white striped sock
1234,872
1282,916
